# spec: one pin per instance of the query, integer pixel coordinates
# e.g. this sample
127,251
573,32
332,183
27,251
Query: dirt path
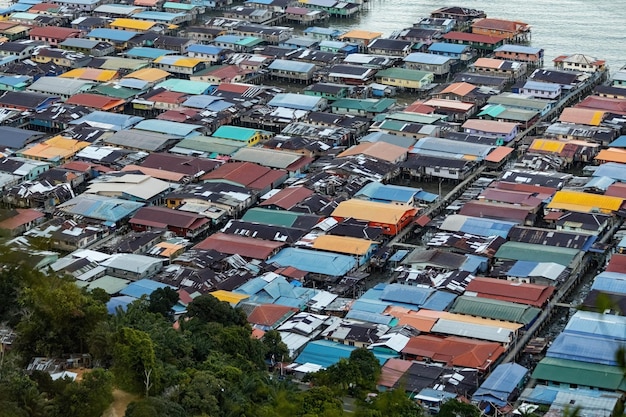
121,399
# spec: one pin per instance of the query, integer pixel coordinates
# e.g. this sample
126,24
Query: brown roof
381,150
530,188
163,217
419,107
288,197
455,351
162,174
233,88
247,247
515,292
95,101
247,174
500,24
617,189
187,165
53,32
21,217
497,211
473,37
617,263
171,97
43,7
392,371
178,115
270,314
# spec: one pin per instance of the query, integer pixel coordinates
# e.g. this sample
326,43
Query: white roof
130,262
91,255
472,330
395,341
142,186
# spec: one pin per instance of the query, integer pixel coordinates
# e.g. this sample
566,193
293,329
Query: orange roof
583,116
95,101
501,25
493,63
498,154
270,314
455,351
460,89
361,34
381,150
612,155
257,333
419,107
442,103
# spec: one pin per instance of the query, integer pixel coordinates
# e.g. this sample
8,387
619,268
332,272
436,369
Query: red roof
233,88
171,97
455,351
288,197
617,263
43,7
95,101
247,247
163,217
248,174
473,37
613,105
501,289
616,190
22,217
291,272
54,32
419,107
270,315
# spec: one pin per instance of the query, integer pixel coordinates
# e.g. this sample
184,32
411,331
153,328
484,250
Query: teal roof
115,90
179,6
539,253
145,52
495,309
242,134
405,74
249,41
370,105
492,110
272,217
587,374
185,86
326,353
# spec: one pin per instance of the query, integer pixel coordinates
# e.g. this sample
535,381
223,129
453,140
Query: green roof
588,374
495,309
211,145
271,217
520,251
238,133
114,90
367,104
111,285
249,41
405,74
392,125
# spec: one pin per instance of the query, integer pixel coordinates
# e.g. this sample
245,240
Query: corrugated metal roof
601,325
477,226
495,309
584,202
343,244
371,211
112,34
320,262
501,384
167,127
530,252
473,330
584,348
579,373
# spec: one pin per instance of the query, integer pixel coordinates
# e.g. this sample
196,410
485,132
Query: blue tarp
122,301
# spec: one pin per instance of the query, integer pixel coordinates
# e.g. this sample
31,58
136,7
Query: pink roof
156,173
247,247
288,197
22,217
490,126
54,32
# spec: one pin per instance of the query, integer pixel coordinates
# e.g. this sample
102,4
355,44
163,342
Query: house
350,74
129,186
181,223
292,70
502,386
484,44
362,38
532,56
512,31
131,266
52,35
119,38
213,54
380,150
18,221
390,217
579,63
361,107
27,100
504,130
249,175
392,47
56,150
460,52
247,247
511,70
436,64
404,78
21,49
293,163
329,91
88,46
181,66
537,89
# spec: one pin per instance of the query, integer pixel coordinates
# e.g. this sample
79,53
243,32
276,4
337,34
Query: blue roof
613,170
211,103
377,191
323,31
426,196
100,207
326,353
121,301
522,268
371,317
325,263
544,394
112,34
406,294
167,127
204,49
20,7
439,301
452,48
278,291
486,227
296,101
424,58
584,348
14,80
607,282
134,83
600,183
370,306
474,264
295,66
541,86
500,384
228,38
601,325
145,52
108,120
620,142
143,287
399,255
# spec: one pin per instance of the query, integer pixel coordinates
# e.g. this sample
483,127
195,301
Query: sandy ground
121,399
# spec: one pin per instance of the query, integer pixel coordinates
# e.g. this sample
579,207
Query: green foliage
356,375
320,402
207,308
202,394
454,408
275,348
88,398
393,403
162,300
155,407
134,360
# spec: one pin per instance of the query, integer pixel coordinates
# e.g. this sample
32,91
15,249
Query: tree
202,394
276,349
162,300
455,408
367,369
320,402
154,407
393,403
207,308
88,398
134,360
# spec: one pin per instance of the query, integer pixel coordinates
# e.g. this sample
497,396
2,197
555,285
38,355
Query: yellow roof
343,244
547,145
361,34
56,147
584,202
125,23
149,74
91,74
370,211
182,61
229,296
